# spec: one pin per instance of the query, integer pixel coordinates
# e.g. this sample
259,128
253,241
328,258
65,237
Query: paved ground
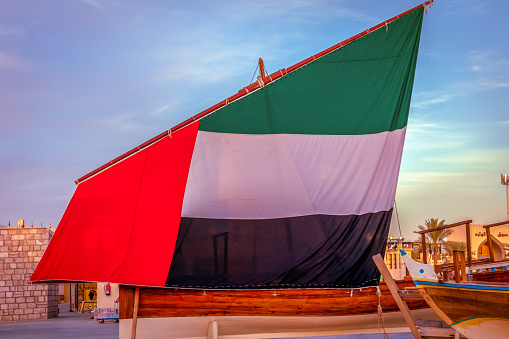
82,326
66,325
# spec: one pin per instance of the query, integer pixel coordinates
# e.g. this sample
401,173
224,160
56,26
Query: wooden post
463,269
213,332
455,260
490,244
379,261
469,245
135,312
423,244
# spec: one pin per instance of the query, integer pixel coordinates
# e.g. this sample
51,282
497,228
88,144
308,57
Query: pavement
66,325
82,326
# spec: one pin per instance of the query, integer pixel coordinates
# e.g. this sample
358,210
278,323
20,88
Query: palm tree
436,237
450,246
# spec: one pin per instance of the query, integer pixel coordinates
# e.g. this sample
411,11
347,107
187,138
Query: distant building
393,259
478,238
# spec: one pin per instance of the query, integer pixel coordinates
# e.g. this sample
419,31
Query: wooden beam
135,312
490,244
445,227
391,284
455,259
463,269
423,244
441,332
410,295
469,244
497,224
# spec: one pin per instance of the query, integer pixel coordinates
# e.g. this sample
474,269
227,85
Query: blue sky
83,81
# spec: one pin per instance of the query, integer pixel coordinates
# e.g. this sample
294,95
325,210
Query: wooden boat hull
477,311
495,276
168,302
189,312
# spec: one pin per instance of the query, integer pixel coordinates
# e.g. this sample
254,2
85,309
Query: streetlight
505,181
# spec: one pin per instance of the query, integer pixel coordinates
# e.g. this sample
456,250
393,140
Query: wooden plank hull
477,311
495,276
165,302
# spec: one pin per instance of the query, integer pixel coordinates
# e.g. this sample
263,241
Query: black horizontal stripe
324,251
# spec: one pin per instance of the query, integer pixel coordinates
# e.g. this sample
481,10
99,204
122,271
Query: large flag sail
290,186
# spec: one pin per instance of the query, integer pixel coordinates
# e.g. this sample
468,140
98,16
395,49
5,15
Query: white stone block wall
21,250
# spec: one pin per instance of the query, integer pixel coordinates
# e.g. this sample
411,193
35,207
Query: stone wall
21,250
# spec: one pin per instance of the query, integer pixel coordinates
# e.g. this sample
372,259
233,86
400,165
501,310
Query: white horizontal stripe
239,176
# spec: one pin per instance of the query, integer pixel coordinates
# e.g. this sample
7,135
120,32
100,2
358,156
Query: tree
434,238
450,246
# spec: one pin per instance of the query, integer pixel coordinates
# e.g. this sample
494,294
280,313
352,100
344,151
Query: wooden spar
379,261
246,90
135,312
262,68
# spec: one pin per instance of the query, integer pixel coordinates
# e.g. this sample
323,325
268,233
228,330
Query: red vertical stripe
122,224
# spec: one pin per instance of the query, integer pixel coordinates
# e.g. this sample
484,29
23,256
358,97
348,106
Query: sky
84,81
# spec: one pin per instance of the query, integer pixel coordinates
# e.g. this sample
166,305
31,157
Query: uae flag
289,186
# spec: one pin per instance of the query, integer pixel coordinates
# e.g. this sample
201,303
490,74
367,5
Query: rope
381,316
254,74
397,217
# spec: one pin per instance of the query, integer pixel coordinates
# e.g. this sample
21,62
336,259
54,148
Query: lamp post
505,181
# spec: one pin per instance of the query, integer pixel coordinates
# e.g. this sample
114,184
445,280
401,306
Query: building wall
107,301
393,259
21,250
499,234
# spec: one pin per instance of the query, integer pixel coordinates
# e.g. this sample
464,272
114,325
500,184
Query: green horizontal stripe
362,88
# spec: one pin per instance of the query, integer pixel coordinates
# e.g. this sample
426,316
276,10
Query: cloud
299,10
172,106
434,98
10,62
426,133
93,3
4,30
483,70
